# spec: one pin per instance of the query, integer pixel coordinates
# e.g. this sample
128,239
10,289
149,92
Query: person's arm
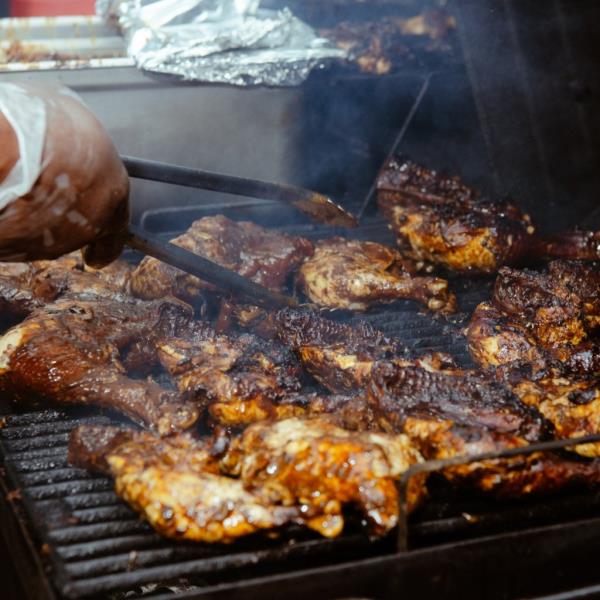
62,183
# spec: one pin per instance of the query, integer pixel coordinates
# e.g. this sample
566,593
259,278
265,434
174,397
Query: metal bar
317,206
437,465
225,279
397,141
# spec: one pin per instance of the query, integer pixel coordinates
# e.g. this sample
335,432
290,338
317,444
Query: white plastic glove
62,183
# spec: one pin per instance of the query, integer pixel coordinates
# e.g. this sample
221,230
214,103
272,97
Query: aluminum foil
219,41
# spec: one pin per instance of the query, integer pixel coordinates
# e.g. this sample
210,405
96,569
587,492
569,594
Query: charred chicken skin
441,220
267,257
175,484
467,398
572,406
548,318
339,355
69,352
239,380
540,334
354,275
448,414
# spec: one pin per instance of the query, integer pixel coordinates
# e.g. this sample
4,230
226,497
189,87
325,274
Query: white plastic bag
27,116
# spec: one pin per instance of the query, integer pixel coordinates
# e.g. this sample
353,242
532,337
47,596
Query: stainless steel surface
252,133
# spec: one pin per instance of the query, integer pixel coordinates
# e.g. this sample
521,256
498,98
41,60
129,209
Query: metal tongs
317,206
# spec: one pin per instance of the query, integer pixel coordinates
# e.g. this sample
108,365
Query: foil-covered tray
50,43
236,42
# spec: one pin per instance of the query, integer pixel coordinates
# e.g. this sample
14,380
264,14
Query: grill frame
385,575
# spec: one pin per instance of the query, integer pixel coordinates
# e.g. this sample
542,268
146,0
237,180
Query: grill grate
94,544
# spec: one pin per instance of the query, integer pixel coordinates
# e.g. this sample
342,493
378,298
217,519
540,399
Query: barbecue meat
339,355
550,318
25,287
238,379
573,407
451,414
510,477
322,467
17,299
175,484
267,257
381,47
467,398
353,274
442,220
69,352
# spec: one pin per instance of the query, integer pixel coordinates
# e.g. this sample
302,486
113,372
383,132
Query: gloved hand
62,183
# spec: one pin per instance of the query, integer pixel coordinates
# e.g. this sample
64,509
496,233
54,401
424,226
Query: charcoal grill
74,538
69,536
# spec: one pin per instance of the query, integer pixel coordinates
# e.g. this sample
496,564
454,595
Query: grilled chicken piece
68,352
573,407
397,392
175,484
549,318
441,220
353,274
511,477
380,47
321,467
69,274
339,355
17,299
448,414
267,257
25,287
239,380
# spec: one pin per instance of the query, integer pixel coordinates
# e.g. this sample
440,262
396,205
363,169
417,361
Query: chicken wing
442,220
354,275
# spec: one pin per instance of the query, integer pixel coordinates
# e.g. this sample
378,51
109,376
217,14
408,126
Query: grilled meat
550,318
339,355
27,286
451,414
466,398
69,352
238,379
510,477
267,257
353,274
442,220
321,467
380,47
573,407
175,484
